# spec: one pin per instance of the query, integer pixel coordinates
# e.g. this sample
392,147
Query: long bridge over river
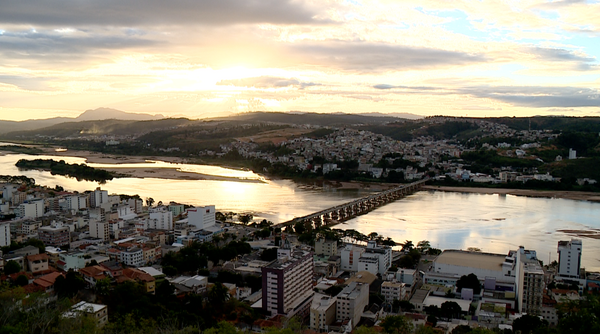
343,212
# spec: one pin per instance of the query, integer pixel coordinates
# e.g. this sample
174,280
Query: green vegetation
21,149
78,171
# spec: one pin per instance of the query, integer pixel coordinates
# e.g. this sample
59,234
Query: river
493,223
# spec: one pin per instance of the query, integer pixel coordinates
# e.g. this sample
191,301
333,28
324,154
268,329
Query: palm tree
408,246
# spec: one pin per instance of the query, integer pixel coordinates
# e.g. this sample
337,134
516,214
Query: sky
206,58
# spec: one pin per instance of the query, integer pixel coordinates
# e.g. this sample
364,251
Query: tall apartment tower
569,258
287,283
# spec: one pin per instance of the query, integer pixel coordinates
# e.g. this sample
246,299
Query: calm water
492,223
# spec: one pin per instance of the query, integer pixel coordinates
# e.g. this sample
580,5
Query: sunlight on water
448,220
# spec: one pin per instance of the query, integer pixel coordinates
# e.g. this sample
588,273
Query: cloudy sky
202,58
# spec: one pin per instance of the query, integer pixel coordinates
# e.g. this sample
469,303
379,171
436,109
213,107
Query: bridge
343,212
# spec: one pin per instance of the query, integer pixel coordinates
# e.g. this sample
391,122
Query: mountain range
88,115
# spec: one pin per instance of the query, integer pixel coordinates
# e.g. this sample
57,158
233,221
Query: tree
12,267
408,245
450,310
469,281
37,243
149,201
396,324
269,254
218,294
22,280
103,286
529,324
245,219
402,306
423,246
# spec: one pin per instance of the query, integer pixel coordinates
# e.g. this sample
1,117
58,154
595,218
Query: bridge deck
358,201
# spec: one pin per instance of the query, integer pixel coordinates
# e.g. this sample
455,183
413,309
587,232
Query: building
351,303
569,258
54,235
322,312
287,283
77,202
4,234
383,255
133,257
325,247
350,255
393,291
96,311
100,230
136,205
31,209
98,198
37,263
160,219
202,217
70,260
176,208
572,154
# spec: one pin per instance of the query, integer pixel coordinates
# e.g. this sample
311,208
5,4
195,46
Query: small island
78,171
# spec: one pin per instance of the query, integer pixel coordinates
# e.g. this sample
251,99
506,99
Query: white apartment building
287,284
325,247
124,212
393,291
383,255
133,257
160,219
31,209
96,311
350,256
100,230
76,202
136,205
4,234
8,190
202,217
322,312
351,302
98,197
569,258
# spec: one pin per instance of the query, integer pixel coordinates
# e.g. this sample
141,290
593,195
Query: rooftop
487,261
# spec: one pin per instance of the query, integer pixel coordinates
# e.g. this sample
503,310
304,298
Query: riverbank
573,195
169,172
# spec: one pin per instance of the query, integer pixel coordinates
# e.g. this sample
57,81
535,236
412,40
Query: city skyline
214,58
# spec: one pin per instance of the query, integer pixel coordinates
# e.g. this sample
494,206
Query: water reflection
492,223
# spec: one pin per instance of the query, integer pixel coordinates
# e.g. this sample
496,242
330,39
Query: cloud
267,82
522,96
538,97
386,86
578,61
367,56
34,42
153,12
26,83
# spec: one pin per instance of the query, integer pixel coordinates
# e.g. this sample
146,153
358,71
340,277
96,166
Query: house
132,274
47,281
96,311
37,263
92,274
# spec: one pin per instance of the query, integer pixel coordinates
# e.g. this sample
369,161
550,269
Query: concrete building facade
287,283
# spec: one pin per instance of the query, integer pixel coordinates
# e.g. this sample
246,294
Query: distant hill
108,113
88,115
337,119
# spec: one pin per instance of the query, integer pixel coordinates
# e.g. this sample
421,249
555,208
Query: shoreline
168,173
572,195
